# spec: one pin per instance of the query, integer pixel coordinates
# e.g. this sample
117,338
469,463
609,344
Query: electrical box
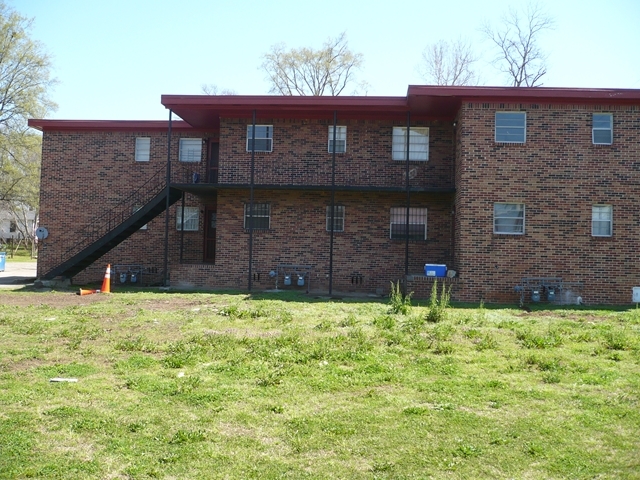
636,295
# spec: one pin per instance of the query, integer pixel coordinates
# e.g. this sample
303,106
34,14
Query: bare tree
445,63
212,89
304,71
517,41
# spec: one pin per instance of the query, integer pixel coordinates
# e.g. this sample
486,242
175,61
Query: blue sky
113,59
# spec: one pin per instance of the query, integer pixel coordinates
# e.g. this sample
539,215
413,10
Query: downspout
182,229
333,201
406,247
166,211
253,156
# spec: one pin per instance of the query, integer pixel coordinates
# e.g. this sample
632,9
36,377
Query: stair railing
117,214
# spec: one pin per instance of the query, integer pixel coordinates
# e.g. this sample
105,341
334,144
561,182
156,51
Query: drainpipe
166,212
182,229
406,246
253,156
333,201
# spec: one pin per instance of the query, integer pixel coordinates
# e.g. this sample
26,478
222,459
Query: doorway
210,218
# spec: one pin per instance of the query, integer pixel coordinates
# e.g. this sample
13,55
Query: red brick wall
297,235
300,155
87,173
558,174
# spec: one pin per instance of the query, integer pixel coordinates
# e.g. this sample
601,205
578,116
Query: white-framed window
418,144
602,131
143,149
191,218
341,139
601,220
261,216
135,209
417,223
511,127
508,218
264,138
190,150
338,218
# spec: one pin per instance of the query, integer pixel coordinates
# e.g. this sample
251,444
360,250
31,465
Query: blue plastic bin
3,260
431,270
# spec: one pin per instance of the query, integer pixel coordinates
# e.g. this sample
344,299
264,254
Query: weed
617,339
385,322
135,344
350,321
487,342
187,436
398,302
530,339
438,305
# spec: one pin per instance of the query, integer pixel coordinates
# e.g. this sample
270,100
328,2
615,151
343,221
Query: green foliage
398,302
438,305
24,84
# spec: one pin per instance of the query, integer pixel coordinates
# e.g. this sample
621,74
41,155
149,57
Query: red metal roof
423,101
107,125
203,112
206,110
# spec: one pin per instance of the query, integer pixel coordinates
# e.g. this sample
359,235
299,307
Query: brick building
530,187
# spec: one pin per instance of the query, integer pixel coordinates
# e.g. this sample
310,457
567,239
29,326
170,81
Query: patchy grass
285,386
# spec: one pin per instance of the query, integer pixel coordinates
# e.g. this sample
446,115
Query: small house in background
508,191
16,225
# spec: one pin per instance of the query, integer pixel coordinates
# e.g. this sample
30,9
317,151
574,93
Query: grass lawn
229,386
21,255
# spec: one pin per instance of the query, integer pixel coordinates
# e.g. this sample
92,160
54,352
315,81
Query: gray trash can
3,260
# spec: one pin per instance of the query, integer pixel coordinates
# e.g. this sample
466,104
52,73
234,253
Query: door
212,167
210,216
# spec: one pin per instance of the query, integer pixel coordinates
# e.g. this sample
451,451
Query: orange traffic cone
106,283
87,292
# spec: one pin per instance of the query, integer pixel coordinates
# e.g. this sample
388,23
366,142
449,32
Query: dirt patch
48,298
61,299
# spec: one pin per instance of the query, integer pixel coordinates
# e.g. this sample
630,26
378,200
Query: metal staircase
116,225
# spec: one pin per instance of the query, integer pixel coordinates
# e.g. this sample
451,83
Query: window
135,209
508,218
511,127
261,216
13,227
417,223
338,218
418,143
601,220
143,149
341,139
190,150
602,133
264,138
191,218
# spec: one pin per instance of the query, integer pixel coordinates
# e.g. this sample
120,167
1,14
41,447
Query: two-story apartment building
506,186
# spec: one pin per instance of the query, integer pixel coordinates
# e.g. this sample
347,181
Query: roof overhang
447,100
204,111
107,125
